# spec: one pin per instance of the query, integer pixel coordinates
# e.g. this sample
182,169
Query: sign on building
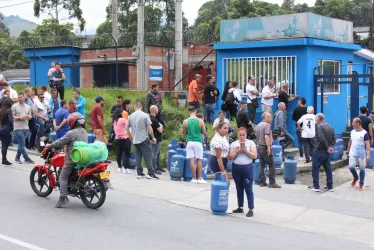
155,73
286,27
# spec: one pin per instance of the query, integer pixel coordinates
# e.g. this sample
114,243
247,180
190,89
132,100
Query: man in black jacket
211,94
154,98
296,115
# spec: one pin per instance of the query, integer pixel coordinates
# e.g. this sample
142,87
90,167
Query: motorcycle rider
76,133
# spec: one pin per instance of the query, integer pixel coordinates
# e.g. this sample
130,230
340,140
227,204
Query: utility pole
178,43
115,20
140,48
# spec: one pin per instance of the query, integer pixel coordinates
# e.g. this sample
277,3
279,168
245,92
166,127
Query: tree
54,7
288,5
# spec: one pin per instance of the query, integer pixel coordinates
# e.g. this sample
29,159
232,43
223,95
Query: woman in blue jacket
6,128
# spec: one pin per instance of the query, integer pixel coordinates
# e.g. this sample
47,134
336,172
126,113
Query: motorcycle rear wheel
93,188
42,181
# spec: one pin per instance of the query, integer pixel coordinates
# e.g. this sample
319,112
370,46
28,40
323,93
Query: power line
1,7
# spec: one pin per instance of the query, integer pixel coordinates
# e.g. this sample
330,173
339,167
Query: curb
300,169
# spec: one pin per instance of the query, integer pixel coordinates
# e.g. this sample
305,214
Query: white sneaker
139,176
228,211
124,171
193,181
120,169
201,181
128,171
301,159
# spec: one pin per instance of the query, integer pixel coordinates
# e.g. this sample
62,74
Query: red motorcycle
89,184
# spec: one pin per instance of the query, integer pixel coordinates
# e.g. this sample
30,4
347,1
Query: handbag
254,102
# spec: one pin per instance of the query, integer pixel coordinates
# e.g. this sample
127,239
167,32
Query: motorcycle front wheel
40,183
93,194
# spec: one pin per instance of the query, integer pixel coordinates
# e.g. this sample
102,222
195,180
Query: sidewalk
345,213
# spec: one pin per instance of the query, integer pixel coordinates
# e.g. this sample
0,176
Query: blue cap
99,99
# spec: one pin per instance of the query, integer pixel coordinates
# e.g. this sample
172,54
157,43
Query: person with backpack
233,98
224,108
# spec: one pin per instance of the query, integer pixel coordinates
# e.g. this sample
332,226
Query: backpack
230,98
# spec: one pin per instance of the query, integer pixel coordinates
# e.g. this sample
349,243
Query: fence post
169,45
116,44
33,45
354,96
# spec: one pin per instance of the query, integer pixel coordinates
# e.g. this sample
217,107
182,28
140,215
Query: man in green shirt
193,131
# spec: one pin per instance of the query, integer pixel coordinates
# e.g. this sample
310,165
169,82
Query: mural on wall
286,27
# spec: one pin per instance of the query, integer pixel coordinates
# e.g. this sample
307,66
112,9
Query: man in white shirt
307,125
12,93
268,96
47,96
358,152
252,94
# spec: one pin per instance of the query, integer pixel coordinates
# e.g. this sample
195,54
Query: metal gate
359,90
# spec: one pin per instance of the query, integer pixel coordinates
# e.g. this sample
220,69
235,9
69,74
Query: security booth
289,49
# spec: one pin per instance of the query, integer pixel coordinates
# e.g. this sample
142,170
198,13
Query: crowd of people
316,138
30,115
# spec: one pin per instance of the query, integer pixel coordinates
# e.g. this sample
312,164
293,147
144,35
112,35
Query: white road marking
20,243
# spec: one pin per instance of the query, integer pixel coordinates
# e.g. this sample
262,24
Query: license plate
104,175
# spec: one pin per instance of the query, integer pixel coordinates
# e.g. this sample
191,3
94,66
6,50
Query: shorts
194,150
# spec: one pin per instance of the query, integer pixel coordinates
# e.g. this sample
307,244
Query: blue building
292,49
41,59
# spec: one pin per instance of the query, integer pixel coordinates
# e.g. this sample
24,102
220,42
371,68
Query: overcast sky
95,13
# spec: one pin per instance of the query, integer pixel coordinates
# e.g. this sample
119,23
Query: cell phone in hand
242,144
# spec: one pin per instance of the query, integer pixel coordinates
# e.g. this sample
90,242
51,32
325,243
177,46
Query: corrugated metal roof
17,74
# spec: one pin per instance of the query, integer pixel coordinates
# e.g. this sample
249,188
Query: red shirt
95,112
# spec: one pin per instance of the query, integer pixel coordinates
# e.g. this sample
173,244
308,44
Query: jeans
111,138
322,157
30,139
64,179
61,133
300,142
266,159
210,112
243,177
251,112
123,147
144,150
21,137
308,147
213,163
289,139
156,150
6,139
352,167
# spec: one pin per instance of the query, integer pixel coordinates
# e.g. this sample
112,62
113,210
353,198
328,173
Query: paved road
128,221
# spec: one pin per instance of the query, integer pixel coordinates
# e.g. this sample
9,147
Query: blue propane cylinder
170,154
256,172
176,167
181,151
290,170
170,147
52,136
340,147
219,196
174,141
371,163
229,166
204,169
335,155
187,174
91,138
276,148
